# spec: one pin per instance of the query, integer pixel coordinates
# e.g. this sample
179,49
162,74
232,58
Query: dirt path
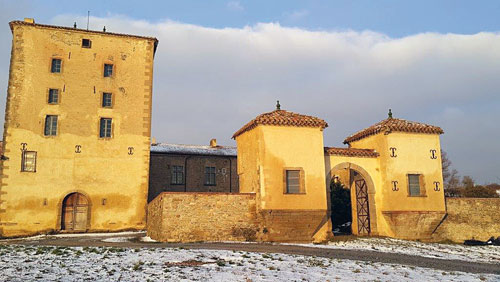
360,255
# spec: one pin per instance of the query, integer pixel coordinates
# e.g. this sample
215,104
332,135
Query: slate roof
282,118
81,30
181,149
351,152
394,124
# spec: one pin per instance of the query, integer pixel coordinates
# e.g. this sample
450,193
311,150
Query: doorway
75,210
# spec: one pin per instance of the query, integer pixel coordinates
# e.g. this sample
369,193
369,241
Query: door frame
60,214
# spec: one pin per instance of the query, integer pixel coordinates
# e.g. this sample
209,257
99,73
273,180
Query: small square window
86,43
414,184
50,125
28,161
53,96
107,101
56,66
105,128
210,176
108,70
293,182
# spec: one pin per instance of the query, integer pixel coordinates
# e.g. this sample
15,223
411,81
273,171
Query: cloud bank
209,82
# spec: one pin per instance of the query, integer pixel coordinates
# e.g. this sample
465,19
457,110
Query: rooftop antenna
88,19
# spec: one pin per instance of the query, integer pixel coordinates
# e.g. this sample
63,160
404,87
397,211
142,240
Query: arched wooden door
363,211
74,212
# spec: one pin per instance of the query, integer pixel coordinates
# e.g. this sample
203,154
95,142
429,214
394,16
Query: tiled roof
282,118
351,152
181,149
394,124
80,30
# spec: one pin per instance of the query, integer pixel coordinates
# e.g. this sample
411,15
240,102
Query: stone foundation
469,218
413,225
293,225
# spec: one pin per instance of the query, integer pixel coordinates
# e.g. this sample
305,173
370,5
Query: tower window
107,101
53,96
86,43
108,70
105,128
414,184
50,125
28,161
56,66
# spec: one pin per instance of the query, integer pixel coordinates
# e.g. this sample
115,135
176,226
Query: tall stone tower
77,130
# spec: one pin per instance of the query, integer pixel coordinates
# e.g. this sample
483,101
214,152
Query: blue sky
348,62
395,18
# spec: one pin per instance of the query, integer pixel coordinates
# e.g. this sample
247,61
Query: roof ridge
80,30
394,124
193,145
282,118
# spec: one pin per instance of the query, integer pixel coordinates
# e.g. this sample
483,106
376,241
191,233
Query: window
56,66
53,96
50,126
28,161
106,100
209,175
293,182
105,128
108,70
414,184
86,43
177,174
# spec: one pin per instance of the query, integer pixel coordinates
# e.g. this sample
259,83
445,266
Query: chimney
29,20
153,141
213,143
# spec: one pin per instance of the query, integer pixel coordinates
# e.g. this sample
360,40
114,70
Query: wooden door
363,212
75,211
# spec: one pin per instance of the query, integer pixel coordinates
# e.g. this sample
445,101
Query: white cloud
235,6
209,82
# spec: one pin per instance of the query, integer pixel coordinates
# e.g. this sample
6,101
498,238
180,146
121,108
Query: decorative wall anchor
393,152
436,186
433,154
395,186
24,147
78,149
130,150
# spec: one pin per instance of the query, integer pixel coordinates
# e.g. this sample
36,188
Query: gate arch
370,190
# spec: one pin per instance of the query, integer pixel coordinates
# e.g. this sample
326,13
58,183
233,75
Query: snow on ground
74,235
489,254
20,263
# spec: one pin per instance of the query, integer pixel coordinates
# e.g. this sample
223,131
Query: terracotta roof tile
282,118
394,124
80,30
351,152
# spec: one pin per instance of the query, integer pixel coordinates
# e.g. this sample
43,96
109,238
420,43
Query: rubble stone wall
470,218
198,216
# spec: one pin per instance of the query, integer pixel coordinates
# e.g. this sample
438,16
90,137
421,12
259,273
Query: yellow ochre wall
264,153
395,213
115,181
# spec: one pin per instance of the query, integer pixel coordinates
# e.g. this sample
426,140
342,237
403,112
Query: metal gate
362,207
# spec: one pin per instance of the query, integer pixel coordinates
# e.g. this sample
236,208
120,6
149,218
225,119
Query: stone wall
469,218
190,217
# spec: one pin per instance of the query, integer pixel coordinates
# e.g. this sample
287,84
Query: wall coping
207,193
467,198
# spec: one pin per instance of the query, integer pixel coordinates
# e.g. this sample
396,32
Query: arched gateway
75,211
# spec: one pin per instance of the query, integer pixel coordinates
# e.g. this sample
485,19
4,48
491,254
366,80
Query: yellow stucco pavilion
392,168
